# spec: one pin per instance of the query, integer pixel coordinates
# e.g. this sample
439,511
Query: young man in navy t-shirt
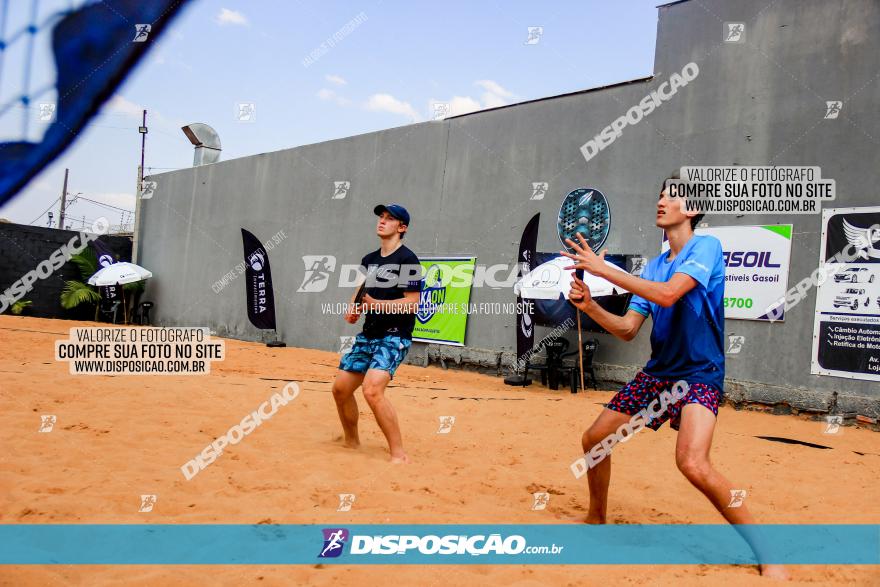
682,291
390,300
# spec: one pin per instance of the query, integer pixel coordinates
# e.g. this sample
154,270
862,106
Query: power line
103,204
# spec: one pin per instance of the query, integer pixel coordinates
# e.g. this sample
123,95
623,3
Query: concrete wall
467,183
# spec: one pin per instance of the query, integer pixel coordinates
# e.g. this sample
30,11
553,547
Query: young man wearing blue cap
390,301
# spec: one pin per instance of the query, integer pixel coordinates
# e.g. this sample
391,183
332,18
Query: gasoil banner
445,299
756,260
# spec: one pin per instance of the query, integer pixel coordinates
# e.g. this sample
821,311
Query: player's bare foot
348,442
777,572
594,519
401,459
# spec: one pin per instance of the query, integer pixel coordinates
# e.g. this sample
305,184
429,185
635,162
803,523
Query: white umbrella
119,273
550,280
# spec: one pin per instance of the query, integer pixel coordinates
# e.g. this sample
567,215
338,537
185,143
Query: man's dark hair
677,175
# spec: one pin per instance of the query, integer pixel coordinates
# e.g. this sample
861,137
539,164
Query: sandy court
119,437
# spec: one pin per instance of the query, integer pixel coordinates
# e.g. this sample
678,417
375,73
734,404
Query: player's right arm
354,308
624,327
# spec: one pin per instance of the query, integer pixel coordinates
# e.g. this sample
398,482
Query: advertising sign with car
846,330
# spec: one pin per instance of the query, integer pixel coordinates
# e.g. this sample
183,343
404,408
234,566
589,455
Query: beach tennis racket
584,211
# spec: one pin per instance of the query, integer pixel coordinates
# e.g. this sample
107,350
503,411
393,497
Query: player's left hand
580,295
584,257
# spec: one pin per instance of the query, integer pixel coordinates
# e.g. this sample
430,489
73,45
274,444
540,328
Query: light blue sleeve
638,303
702,259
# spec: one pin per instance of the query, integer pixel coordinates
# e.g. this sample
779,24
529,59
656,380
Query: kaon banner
443,304
846,328
756,260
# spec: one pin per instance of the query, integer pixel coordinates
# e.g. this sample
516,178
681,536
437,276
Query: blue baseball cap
395,210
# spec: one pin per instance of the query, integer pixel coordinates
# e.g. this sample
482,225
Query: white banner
756,273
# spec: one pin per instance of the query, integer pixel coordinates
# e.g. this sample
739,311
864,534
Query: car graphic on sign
854,275
849,299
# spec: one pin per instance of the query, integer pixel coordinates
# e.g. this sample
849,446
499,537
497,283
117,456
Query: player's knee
591,438
694,467
373,391
585,441
341,391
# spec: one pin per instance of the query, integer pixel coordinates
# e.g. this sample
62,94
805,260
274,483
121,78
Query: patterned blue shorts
638,394
385,354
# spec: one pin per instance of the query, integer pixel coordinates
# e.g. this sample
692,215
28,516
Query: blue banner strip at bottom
173,544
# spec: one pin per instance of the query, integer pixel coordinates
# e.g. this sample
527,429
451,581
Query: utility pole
63,200
137,194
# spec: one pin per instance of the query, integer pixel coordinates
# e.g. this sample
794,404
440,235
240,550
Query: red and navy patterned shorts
638,394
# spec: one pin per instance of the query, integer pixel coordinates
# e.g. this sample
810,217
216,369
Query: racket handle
580,350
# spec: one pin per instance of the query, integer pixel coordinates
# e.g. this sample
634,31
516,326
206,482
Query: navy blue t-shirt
687,340
401,271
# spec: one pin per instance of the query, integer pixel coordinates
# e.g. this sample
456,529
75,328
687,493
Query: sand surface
119,437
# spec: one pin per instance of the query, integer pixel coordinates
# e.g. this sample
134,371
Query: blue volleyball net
59,62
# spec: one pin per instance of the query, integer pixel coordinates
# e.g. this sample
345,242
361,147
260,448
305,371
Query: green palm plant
76,293
19,307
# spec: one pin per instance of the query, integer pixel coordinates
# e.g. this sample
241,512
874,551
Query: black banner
109,293
855,234
525,326
258,281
